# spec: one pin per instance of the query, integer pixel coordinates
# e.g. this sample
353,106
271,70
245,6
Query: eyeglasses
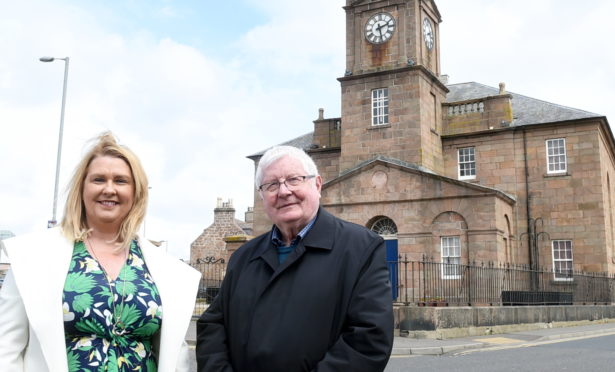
291,183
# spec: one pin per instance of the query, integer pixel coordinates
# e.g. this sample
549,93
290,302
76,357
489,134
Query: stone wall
572,205
424,208
412,318
400,138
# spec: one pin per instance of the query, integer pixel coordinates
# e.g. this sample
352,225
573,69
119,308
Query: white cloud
300,38
191,118
557,51
194,117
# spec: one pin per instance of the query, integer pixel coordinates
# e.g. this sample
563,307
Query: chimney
502,88
224,213
249,215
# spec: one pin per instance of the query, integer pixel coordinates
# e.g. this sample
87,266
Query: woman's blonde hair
74,223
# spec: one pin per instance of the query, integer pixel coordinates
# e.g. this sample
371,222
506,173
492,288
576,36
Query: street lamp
53,221
158,243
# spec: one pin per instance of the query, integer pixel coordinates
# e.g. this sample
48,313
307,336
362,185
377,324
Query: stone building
458,172
211,244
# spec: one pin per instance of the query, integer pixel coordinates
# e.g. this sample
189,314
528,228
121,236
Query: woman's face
108,192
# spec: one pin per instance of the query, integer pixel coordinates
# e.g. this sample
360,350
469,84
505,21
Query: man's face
290,209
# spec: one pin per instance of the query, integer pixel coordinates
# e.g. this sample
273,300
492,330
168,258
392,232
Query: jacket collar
320,236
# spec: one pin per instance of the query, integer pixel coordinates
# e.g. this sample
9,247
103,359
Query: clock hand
380,26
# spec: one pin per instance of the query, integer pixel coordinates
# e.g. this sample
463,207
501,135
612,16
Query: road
592,349
589,353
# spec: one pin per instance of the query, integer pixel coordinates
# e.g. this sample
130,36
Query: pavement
428,343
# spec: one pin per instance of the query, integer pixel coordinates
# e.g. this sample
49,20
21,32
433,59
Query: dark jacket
328,307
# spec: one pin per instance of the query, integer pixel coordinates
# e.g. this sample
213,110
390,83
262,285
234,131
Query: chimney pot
502,88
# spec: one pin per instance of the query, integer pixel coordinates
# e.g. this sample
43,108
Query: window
556,155
451,257
380,106
385,226
467,163
562,259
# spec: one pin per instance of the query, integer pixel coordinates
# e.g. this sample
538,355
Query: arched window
384,226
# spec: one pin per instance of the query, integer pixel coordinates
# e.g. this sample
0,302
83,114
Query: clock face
379,28
428,33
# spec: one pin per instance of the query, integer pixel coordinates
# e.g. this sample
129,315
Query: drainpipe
531,228
527,206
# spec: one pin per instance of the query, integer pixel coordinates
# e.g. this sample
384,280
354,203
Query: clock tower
391,92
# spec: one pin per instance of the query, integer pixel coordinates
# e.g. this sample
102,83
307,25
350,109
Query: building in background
211,250
459,173
210,244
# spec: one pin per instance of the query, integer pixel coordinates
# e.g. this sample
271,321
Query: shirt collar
276,234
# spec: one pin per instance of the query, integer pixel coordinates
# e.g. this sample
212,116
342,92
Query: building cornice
397,70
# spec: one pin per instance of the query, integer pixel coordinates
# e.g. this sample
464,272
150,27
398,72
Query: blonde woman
91,295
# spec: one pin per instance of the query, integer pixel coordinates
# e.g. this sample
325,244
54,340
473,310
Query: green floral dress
96,339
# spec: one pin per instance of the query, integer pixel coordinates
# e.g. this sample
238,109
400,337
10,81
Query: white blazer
31,318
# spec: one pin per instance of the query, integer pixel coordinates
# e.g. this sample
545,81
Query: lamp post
53,222
158,243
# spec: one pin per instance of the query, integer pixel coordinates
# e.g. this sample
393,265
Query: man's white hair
278,152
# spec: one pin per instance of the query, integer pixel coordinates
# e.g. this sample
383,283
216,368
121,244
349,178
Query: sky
194,87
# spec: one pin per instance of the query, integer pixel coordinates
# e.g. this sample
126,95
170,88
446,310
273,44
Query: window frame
562,260
549,156
459,163
380,107
384,226
445,259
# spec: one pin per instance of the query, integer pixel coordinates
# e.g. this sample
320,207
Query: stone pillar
233,242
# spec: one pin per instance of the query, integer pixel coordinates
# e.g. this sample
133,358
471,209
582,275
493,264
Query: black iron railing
429,283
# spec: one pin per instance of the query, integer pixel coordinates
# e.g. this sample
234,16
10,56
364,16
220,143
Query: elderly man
312,294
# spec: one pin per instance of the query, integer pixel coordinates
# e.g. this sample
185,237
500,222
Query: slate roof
245,226
526,110
303,142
